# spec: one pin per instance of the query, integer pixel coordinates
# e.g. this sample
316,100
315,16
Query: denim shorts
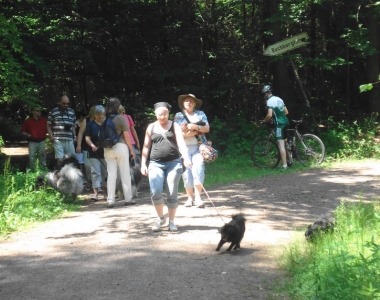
158,172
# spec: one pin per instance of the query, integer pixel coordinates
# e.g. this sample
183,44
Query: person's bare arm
134,133
182,145
269,115
82,128
128,141
50,132
145,150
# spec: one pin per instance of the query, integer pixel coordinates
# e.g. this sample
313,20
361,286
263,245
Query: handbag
209,153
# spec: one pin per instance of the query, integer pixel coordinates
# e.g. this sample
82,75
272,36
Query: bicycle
307,148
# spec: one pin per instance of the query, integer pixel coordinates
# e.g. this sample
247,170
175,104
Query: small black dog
323,225
232,232
68,179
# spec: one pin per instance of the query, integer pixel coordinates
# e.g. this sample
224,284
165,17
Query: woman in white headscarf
164,140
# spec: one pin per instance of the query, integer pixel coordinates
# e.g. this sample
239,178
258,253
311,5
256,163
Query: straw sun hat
181,99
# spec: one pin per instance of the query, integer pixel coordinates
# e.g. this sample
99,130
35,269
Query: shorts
281,131
63,147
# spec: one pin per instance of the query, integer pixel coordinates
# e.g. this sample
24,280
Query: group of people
170,150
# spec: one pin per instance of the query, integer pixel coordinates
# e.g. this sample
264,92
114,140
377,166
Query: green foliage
233,137
343,140
357,139
342,265
14,77
21,205
365,87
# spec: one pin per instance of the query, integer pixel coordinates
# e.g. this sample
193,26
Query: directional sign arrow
287,44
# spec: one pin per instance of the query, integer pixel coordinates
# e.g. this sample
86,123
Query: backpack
107,135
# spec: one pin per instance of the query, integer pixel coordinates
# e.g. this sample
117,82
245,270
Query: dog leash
210,200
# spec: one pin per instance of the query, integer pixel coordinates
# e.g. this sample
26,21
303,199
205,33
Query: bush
354,140
342,265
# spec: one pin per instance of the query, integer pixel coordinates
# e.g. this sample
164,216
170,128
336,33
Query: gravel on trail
100,253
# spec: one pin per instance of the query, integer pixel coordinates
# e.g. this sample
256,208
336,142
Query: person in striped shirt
61,129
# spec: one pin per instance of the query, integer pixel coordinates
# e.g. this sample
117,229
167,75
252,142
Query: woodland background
148,51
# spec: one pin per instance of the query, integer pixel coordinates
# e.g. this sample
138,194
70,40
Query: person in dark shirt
96,154
164,140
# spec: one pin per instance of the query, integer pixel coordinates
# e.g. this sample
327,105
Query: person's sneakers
199,203
172,226
157,226
94,197
110,205
189,202
284,168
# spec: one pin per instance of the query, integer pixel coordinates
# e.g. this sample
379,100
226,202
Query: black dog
323,225
68,179
232,232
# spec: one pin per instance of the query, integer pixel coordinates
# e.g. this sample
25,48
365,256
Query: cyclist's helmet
267,88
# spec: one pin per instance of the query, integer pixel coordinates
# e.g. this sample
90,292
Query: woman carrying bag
164,141
193,178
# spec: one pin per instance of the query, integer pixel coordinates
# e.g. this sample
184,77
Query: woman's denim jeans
158,172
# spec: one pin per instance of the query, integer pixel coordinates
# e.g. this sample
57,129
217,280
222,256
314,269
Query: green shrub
341,265
353,140
21,205
356,140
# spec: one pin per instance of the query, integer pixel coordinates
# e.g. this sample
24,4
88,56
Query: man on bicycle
278,111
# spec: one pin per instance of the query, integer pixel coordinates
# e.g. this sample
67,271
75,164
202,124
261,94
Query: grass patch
21,205
227,170
341,265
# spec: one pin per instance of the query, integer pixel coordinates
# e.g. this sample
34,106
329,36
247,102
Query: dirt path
101,253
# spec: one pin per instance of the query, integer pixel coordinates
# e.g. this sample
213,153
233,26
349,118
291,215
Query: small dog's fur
232,232
68,179
136,178
323,225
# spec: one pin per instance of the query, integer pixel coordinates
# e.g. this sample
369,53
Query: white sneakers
197,202
159,222
172,226
157,226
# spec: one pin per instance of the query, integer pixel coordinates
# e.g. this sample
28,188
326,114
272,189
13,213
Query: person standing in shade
61,129
34,128
193,178
278,111
164,140
96,154
118,156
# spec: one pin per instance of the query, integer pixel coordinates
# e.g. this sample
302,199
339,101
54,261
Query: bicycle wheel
310,150
265,153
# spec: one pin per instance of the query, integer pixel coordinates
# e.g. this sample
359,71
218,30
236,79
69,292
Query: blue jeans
158,172
98,172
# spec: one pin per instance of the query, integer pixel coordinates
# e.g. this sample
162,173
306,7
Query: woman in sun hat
193,178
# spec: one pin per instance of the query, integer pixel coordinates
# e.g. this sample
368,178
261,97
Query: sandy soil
100,253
